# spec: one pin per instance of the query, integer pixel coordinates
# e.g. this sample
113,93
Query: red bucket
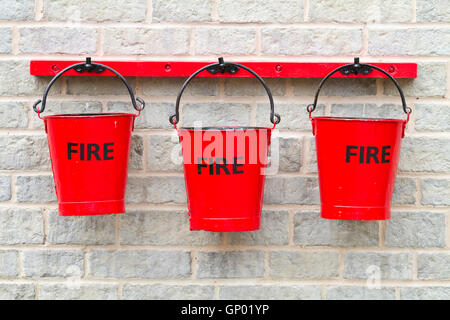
89,155
357,160
224,169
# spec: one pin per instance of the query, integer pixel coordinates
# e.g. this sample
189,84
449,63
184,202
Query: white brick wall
149,253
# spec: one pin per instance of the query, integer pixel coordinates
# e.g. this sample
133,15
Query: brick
9,263
311,230
21,226
209,41
396,266
168,86
24,153
35,189
430,82
139,264
162,228
23,83
311,156
334,87
181,11
94,86
13,114
164,154
290,154
156,190
269,292
432,11
295,190
83,230
410,41
252,87
62,107
433,266
293,116
274,231
17,10
17,291
165,292
425,293
321,41
423,154
405,190
53,263
217,114
260,11
415,229
5,35
432,117
368,110
77,291
147,119
5,188
359,293
435,192
231,264
49,40
304,265
85,10
360,11
147,40
136,153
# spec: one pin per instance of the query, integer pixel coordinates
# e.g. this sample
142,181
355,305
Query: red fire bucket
224,167
357,159
89,154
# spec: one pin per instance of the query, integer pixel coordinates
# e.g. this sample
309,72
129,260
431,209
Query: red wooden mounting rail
186,68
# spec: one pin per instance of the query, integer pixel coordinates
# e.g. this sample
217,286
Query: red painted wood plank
186,68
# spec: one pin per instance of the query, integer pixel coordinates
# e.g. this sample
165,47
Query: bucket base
91,208
225,224
355,213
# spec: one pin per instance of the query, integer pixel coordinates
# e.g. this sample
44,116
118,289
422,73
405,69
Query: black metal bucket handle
223,67
89,67
356,68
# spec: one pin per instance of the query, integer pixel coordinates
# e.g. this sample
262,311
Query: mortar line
38,10
216,295
149,12
291,215
305,10
214,11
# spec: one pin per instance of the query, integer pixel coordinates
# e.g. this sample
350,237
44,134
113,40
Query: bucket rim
358,119
89,115
224,128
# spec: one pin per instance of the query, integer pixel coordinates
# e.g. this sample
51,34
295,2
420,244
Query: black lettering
236,165
361,154
70,150
92,149
106,151
221,166
81,151
200,165
211,166
350,153
384,154
372,153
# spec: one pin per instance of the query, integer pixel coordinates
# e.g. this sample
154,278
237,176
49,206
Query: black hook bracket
89,67
356,68
223,67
